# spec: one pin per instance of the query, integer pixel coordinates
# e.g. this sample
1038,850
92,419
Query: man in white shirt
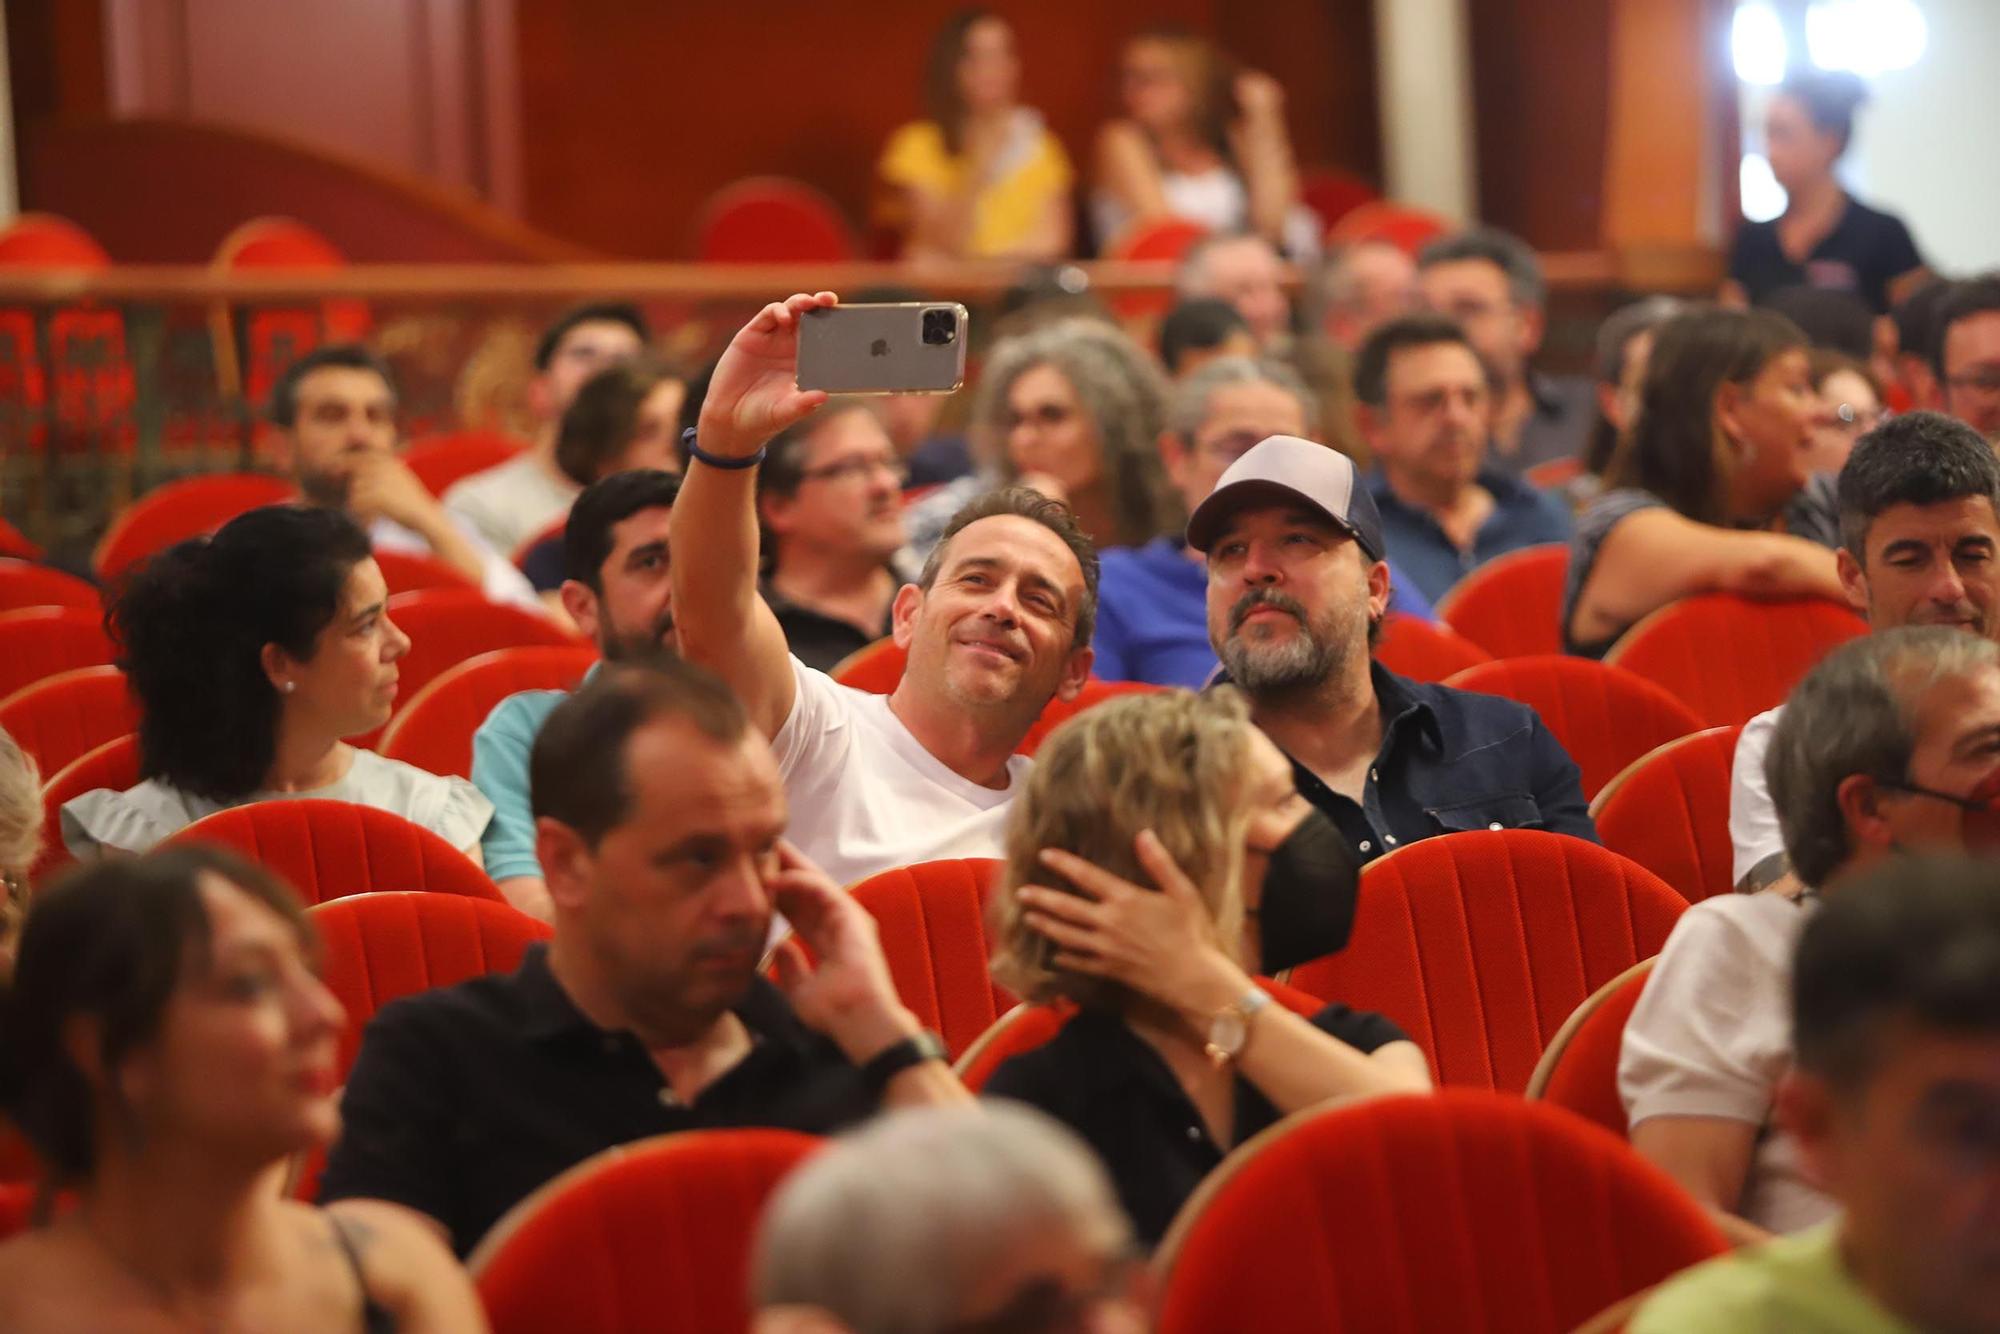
997,625
1920,533
520,499
335,410
1891,744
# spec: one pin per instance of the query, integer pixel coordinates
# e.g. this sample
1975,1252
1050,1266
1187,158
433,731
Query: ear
1534,323
541,399
566,863
1075,672
1729,411
776,512
1378,590
283,450
581,604
1608,404
1370,421
277,664
1859,797
1173,456
1853,579
903,620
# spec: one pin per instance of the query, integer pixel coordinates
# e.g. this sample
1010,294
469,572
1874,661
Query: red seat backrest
1160,240
1669,812
1425,652
15,544
1480,944
1060,711
375,948
1729,658
38,642
434,729
1605,717
1458,1210
440,460
1579,1071
180,510
932,918
86,372
114,765
329,849
1512,605
69,714
46,241
1332,193
876,669
1402,225
772,220
655,1235
446,626
17,1205
25,584
411,572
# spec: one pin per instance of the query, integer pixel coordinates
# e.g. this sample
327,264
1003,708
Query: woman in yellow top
983,178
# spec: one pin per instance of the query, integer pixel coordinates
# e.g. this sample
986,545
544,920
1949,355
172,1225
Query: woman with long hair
166,1048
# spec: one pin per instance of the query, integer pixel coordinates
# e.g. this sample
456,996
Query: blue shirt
1522,516
500,750
1152,614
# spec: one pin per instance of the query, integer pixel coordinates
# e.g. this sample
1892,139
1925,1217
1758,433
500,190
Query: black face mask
1309,892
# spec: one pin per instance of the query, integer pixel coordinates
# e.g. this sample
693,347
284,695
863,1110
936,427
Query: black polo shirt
818,640
1864,252
1107,1084
465,1099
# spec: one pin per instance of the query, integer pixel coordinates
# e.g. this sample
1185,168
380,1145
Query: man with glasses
830,499
1968,354
1424,410
1152,613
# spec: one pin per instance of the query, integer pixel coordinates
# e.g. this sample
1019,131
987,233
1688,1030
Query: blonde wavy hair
1174,762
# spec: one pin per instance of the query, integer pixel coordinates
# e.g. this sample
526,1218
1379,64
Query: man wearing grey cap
1297,588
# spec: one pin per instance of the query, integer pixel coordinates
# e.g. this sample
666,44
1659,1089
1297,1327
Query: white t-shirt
866,796
1753,820
1712,1036
511,502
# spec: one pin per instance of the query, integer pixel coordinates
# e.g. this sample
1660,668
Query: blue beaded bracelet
716,460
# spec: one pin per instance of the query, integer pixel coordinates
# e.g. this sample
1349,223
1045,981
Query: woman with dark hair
1624,342
252,653
166,1047
1697,494
982,177
1825,237
1202,140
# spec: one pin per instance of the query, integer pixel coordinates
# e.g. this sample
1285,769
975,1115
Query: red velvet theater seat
25,584
1579,1071
1512,605
1425,652
62,717
115,765
932,918
1669,812
433,729
38,642
330,849
1729,658
180,510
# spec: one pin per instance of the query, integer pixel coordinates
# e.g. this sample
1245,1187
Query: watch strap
914,1050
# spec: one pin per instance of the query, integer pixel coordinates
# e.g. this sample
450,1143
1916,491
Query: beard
1301,661
655,642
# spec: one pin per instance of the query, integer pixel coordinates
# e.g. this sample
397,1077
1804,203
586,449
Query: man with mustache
659,822
1297,588
830,497
618,590
1919,503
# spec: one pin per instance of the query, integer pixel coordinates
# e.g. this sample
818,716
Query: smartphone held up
914,347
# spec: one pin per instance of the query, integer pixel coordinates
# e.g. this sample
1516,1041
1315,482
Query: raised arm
1263,151
721,621
1129,173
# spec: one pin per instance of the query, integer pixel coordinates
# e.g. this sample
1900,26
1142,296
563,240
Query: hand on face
382,486
848,993
754,392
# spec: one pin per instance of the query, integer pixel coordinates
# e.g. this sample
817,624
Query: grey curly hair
1125,397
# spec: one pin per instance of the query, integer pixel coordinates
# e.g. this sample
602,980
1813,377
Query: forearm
1296,1065
528,894
721,621
1270,180
1707,1156
1778,565
931,1084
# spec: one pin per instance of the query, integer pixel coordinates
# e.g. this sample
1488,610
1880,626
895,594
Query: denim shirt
1522,517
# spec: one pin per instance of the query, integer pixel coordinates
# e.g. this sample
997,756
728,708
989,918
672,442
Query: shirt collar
1548,398
1401,706
549,1014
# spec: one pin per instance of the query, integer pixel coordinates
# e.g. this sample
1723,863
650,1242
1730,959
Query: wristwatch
886,1064
1229,1030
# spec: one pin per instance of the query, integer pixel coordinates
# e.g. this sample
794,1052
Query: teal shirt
500,750
1795,1283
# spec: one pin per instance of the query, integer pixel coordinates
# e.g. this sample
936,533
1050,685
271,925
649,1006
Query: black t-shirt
465,1099
1103,1081
1864,251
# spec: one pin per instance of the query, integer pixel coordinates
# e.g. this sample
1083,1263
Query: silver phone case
879,350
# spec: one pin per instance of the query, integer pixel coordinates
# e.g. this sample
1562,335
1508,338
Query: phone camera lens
940,327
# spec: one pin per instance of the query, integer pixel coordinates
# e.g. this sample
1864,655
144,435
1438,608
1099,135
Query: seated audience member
1362,286
1967,354
168,1047
830,500
20,842
1152,617
1701,480
1491,283
1920,527
1624,345
1910,374
1892,1100
1850,405
1150,827
335,410
619,591
997,625
513,501
946,1220
252,653
1885,746
1199,140
983,177
625,418
1825,237
1244,270
1424,411
1200,330
1071,410
1297,589
660,824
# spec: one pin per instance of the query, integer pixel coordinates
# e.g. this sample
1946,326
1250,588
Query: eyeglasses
857,468
1046,1306
1226,449
1848,418
1985,380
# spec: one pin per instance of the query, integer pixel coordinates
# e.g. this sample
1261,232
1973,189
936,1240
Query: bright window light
1757,43
1763,197
1868,37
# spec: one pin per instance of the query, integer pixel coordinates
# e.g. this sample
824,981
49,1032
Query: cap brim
1205,524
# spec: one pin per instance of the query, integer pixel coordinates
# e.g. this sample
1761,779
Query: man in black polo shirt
1297,588
659,817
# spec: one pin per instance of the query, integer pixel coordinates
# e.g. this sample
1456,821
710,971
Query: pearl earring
289,686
